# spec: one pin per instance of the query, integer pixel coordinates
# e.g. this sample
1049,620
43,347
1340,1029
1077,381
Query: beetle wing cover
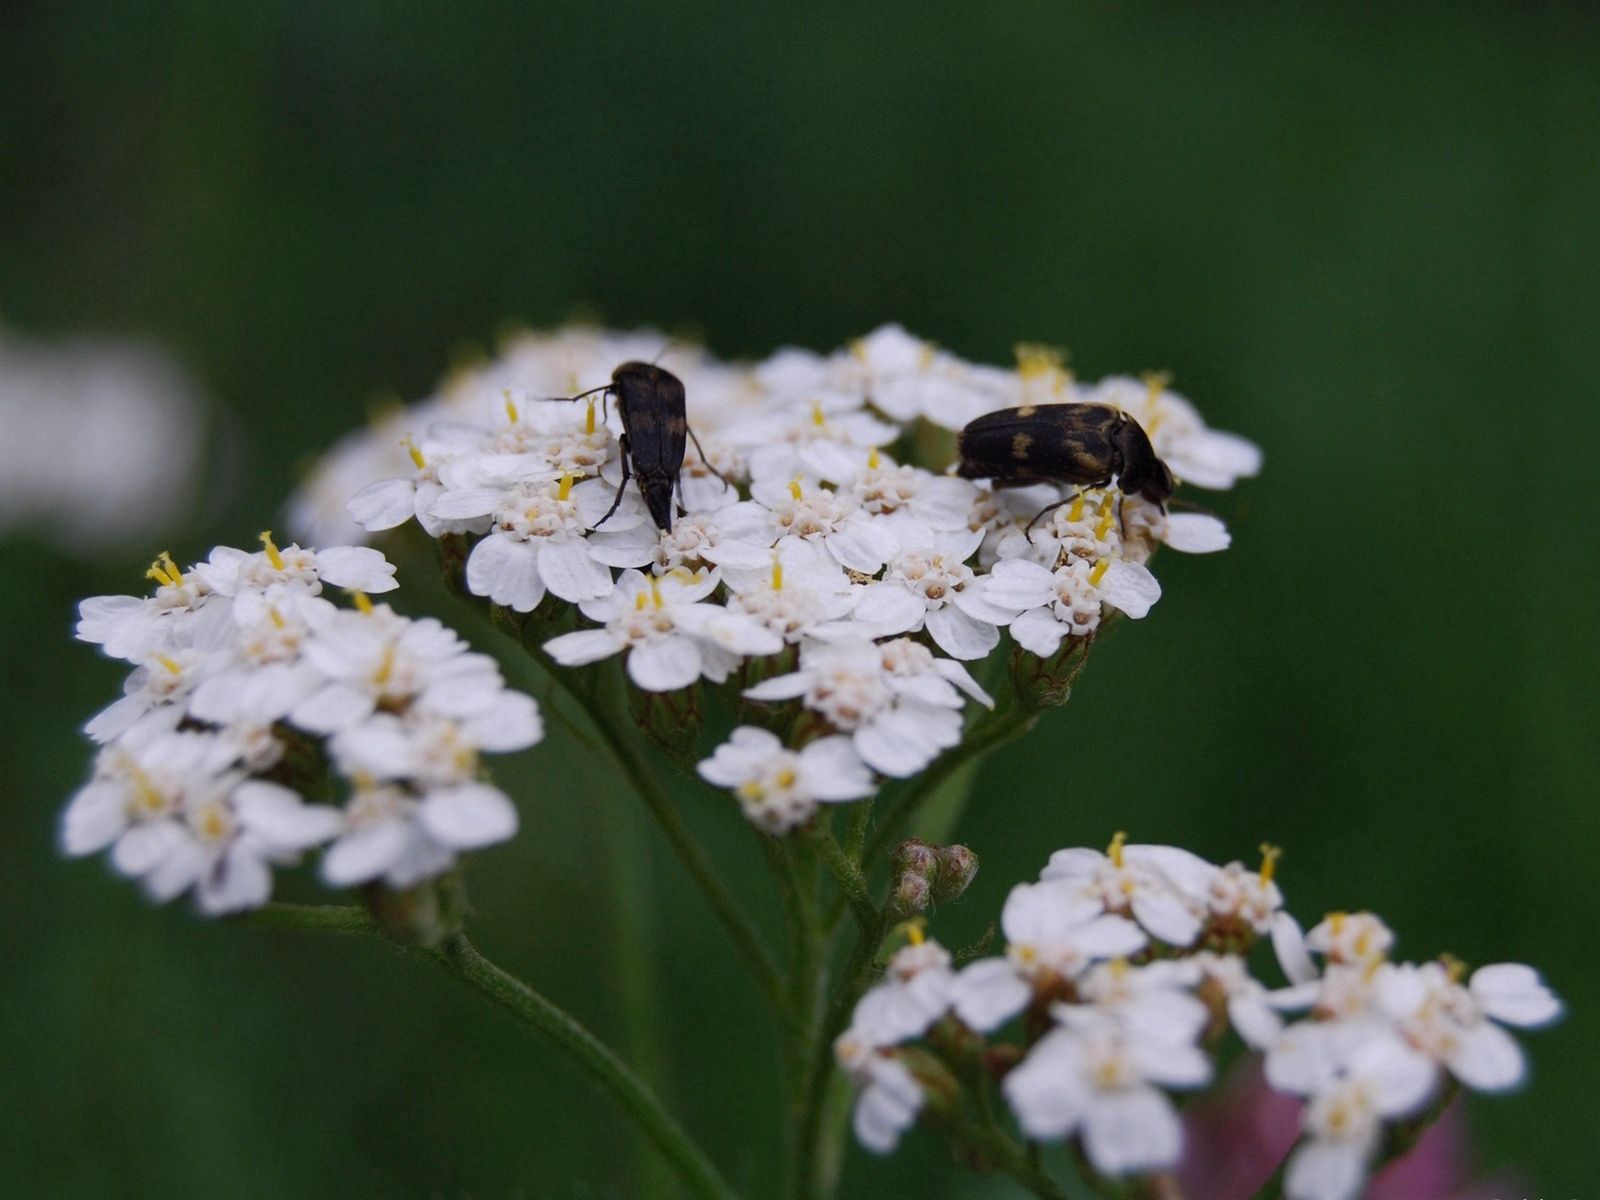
653,413
1067,443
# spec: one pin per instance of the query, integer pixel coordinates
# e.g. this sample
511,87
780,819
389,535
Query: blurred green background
1369,243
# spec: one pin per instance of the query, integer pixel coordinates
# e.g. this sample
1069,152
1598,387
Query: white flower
927,583
231,572
261,674
537,540
1155,1001
1163,888
1356,939
825,435
180,612
801,591
1252,1009
1052,932
833,520
779,789
433,750
373,656
1358,1075
697,540
1240,899
1099,1078
1456,1026
1050,605
672,638
898,702
896,493
177,815
102,438
403,837
163,679
913,995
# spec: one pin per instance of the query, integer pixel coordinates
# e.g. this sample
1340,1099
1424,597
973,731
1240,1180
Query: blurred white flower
779,789
102,440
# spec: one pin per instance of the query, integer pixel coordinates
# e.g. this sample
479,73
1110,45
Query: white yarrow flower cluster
1126,968
795,527
243,669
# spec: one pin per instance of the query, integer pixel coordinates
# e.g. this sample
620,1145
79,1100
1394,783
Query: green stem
847,872
587,1052
1003,1153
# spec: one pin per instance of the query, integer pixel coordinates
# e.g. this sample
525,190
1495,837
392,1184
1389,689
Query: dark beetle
1076,444
654,426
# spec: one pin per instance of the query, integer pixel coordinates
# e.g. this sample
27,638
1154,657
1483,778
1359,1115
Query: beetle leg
1048,508
623,486
703,459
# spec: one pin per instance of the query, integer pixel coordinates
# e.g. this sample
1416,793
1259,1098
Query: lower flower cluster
1121,978
251,694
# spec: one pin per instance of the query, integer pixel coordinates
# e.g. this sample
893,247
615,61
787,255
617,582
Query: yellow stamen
1114,851
385,669
913,930
1336,922
655,591
1119,967
794,487
777,573
1155,383
1075,513
1099,572
170,664
157,573
588,420
817,417
785,778
1454,967
1103,526
859,349
1269,863
749,789
363,782
277,617
271,547
1037,361
565,488
416,455
639,601
361,600
873,461
511,407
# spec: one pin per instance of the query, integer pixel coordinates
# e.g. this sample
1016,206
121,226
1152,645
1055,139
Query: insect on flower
655,423
1083,444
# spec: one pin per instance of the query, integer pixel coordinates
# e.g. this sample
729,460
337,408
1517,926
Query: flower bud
1047,682
912,895
427,915
956,867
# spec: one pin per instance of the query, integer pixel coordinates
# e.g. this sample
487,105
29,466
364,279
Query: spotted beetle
1087,445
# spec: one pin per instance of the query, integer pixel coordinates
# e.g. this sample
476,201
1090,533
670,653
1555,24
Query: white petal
281,818
364,853
834,771
335,707
889,608
1131,1131
466,503
384,504
506,570
1197,533
93,820
1487,1059
1289,944
468,816
1515,994
1017,585
1046,1091
584,646
1130,587
1326,1171
988,993
861,546
666,665
569,572
1038,632
1166,916
360,568
959,635
144,847
238,880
